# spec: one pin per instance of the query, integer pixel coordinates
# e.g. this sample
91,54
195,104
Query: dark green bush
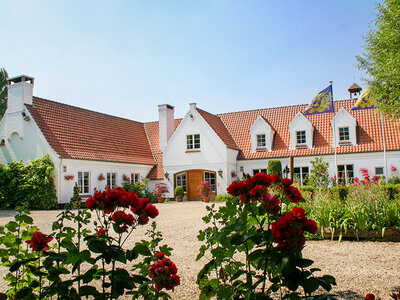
223,198
179,190
140,188
32,183
275,167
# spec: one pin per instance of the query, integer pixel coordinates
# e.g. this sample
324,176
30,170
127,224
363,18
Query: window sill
261,149
192,151
345,143
301,146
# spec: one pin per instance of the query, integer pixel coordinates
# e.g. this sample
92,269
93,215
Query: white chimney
20,92
165,124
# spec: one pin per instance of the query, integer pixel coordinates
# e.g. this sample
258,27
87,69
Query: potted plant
161,189
179,193
205,189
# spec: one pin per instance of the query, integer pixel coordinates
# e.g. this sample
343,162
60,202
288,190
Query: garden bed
386,235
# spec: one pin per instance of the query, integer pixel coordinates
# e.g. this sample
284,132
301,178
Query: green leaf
142,250
23,293
304,263
131,255
97,245
27,219
88,290
255,254
206,269
310,285
15,266
12,226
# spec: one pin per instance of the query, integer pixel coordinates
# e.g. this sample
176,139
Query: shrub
32,183
161,189
204,188
223,198
140,188
179,190
394,180
319,176
275,167
267,232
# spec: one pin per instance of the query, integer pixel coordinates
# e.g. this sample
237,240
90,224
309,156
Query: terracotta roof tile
219,127
369,131
78,133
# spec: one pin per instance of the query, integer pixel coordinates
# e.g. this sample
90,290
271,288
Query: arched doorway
191,179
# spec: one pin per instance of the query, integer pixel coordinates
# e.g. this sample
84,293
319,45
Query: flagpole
334,135
384,148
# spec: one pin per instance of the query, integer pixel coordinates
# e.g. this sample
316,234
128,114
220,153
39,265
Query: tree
319,176
3,91
381,58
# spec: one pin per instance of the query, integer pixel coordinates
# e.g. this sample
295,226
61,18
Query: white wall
213,155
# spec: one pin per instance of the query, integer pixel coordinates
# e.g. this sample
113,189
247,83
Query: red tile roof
78,133
218,126
152,132
369,131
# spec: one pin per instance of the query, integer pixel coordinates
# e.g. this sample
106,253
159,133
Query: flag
322,103
365,100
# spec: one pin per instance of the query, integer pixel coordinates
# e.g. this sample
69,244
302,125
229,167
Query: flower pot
179,198
206,199
160,200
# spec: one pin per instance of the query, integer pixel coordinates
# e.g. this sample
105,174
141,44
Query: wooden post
291,167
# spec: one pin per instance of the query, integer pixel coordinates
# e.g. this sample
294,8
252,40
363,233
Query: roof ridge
86,109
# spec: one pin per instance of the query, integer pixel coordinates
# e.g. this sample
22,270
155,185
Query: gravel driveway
359,267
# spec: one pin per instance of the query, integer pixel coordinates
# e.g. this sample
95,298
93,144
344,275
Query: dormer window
301,133
261,142
344,134
301,137
262,135
193,141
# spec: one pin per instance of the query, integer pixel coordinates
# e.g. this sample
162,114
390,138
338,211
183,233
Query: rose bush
81,263
254,243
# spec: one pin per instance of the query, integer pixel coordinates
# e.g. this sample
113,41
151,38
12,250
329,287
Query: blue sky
126,57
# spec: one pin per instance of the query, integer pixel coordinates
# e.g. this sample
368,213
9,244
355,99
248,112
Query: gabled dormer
344,125
262,135
301,132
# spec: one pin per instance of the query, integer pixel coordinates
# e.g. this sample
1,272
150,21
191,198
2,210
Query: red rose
274,178
286,182
100,231
242,185
134,200
311,226
233,189
370,296
160,255
143,219
151,210
122,220
39,241
91,203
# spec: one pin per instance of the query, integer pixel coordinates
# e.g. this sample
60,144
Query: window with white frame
261,141
135,177
193,141
379,171
344,134
181,180
112,180
301,137
83,182
301,174
208,176
346,172
255,171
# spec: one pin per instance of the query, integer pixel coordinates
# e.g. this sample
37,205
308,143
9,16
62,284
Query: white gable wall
300,123
261,127
213,155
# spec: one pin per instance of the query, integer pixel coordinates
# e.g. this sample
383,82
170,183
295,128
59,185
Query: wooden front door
194,179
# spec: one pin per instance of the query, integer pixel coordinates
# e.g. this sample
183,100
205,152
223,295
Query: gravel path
359,267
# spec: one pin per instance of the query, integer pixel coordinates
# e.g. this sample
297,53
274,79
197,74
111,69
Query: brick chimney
166,124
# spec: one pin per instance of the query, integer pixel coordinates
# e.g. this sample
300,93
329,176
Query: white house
200,146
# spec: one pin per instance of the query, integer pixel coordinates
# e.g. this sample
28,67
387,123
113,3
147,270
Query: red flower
122,220
160,255
163,272
292,193
143,219
233,189
286,182
39,241
271,204
100,231
370,296
151,210
91,203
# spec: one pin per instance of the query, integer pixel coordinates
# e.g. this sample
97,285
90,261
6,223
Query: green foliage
223,198
242,262
319,176
179,190
381,58
3,91
394,180
32,183
79,258
275,167
141,189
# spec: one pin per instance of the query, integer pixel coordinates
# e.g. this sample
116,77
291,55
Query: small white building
201,146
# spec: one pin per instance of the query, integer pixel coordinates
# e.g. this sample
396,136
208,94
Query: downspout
59,182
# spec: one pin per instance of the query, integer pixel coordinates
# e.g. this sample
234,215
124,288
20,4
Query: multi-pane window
193,141
255,171
261,143
181,180
301,137
83,182
112,180
301,175
346,172
379,171
344,134
208,176
135,177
